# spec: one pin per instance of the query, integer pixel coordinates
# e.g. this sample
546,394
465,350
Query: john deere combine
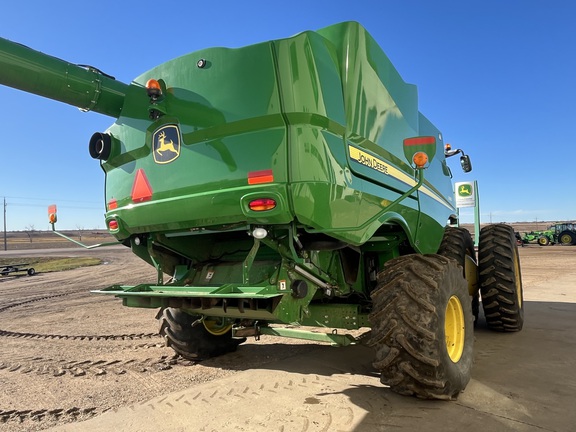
290,182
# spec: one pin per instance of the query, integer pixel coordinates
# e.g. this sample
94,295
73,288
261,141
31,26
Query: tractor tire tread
408,338
500,278
193,342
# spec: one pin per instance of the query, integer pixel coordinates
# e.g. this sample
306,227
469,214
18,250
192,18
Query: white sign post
467,196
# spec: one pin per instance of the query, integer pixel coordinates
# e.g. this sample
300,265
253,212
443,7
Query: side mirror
464,159
465,163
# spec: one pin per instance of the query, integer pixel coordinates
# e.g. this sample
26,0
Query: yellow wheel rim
455,329
517,279
216,326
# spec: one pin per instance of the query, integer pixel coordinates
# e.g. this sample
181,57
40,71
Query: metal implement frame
332,338
16,268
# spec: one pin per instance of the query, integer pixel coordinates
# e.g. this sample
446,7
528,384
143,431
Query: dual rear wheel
423,314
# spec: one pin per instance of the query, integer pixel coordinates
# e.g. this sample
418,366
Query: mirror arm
450,153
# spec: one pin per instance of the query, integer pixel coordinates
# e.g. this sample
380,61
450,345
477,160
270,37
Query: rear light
262,204
420,150
153,89
112,204
420,159
258,177
113,225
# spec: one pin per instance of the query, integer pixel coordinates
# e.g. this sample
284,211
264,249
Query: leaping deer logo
166,146
464,190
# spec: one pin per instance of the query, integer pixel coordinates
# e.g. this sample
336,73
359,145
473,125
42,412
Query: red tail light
262,204
112,204
113,225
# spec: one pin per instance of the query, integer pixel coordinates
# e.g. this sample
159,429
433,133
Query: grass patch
52,264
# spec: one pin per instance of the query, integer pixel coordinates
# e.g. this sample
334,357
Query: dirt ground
68,355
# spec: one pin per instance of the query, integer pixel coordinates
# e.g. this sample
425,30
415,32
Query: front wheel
422,327
195,338
543,241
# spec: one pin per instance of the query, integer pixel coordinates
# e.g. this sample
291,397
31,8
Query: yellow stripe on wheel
216,326
455,329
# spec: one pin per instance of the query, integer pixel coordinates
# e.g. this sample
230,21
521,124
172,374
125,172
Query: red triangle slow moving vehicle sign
141,190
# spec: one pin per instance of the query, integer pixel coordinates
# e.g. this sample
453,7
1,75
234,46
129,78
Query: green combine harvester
287,186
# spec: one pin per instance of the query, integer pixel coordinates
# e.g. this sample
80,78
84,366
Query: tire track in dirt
35,299
60,363
95,338
80,368
51,416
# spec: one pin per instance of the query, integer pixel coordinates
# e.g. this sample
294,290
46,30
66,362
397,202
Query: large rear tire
500,279
422,327
567,238
195,340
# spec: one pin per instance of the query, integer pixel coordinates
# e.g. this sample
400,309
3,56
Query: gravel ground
68,355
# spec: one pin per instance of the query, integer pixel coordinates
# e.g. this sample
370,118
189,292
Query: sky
497,77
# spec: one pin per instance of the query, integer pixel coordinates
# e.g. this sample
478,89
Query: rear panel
226,117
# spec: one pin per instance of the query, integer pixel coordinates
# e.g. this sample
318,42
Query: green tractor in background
565,233
560,233
291,183
543,238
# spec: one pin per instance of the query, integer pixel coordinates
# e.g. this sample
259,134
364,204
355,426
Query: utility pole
5,244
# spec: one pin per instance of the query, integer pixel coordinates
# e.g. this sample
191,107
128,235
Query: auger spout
84,87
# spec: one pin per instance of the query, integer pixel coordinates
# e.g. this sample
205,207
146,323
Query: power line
59,206
50,199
